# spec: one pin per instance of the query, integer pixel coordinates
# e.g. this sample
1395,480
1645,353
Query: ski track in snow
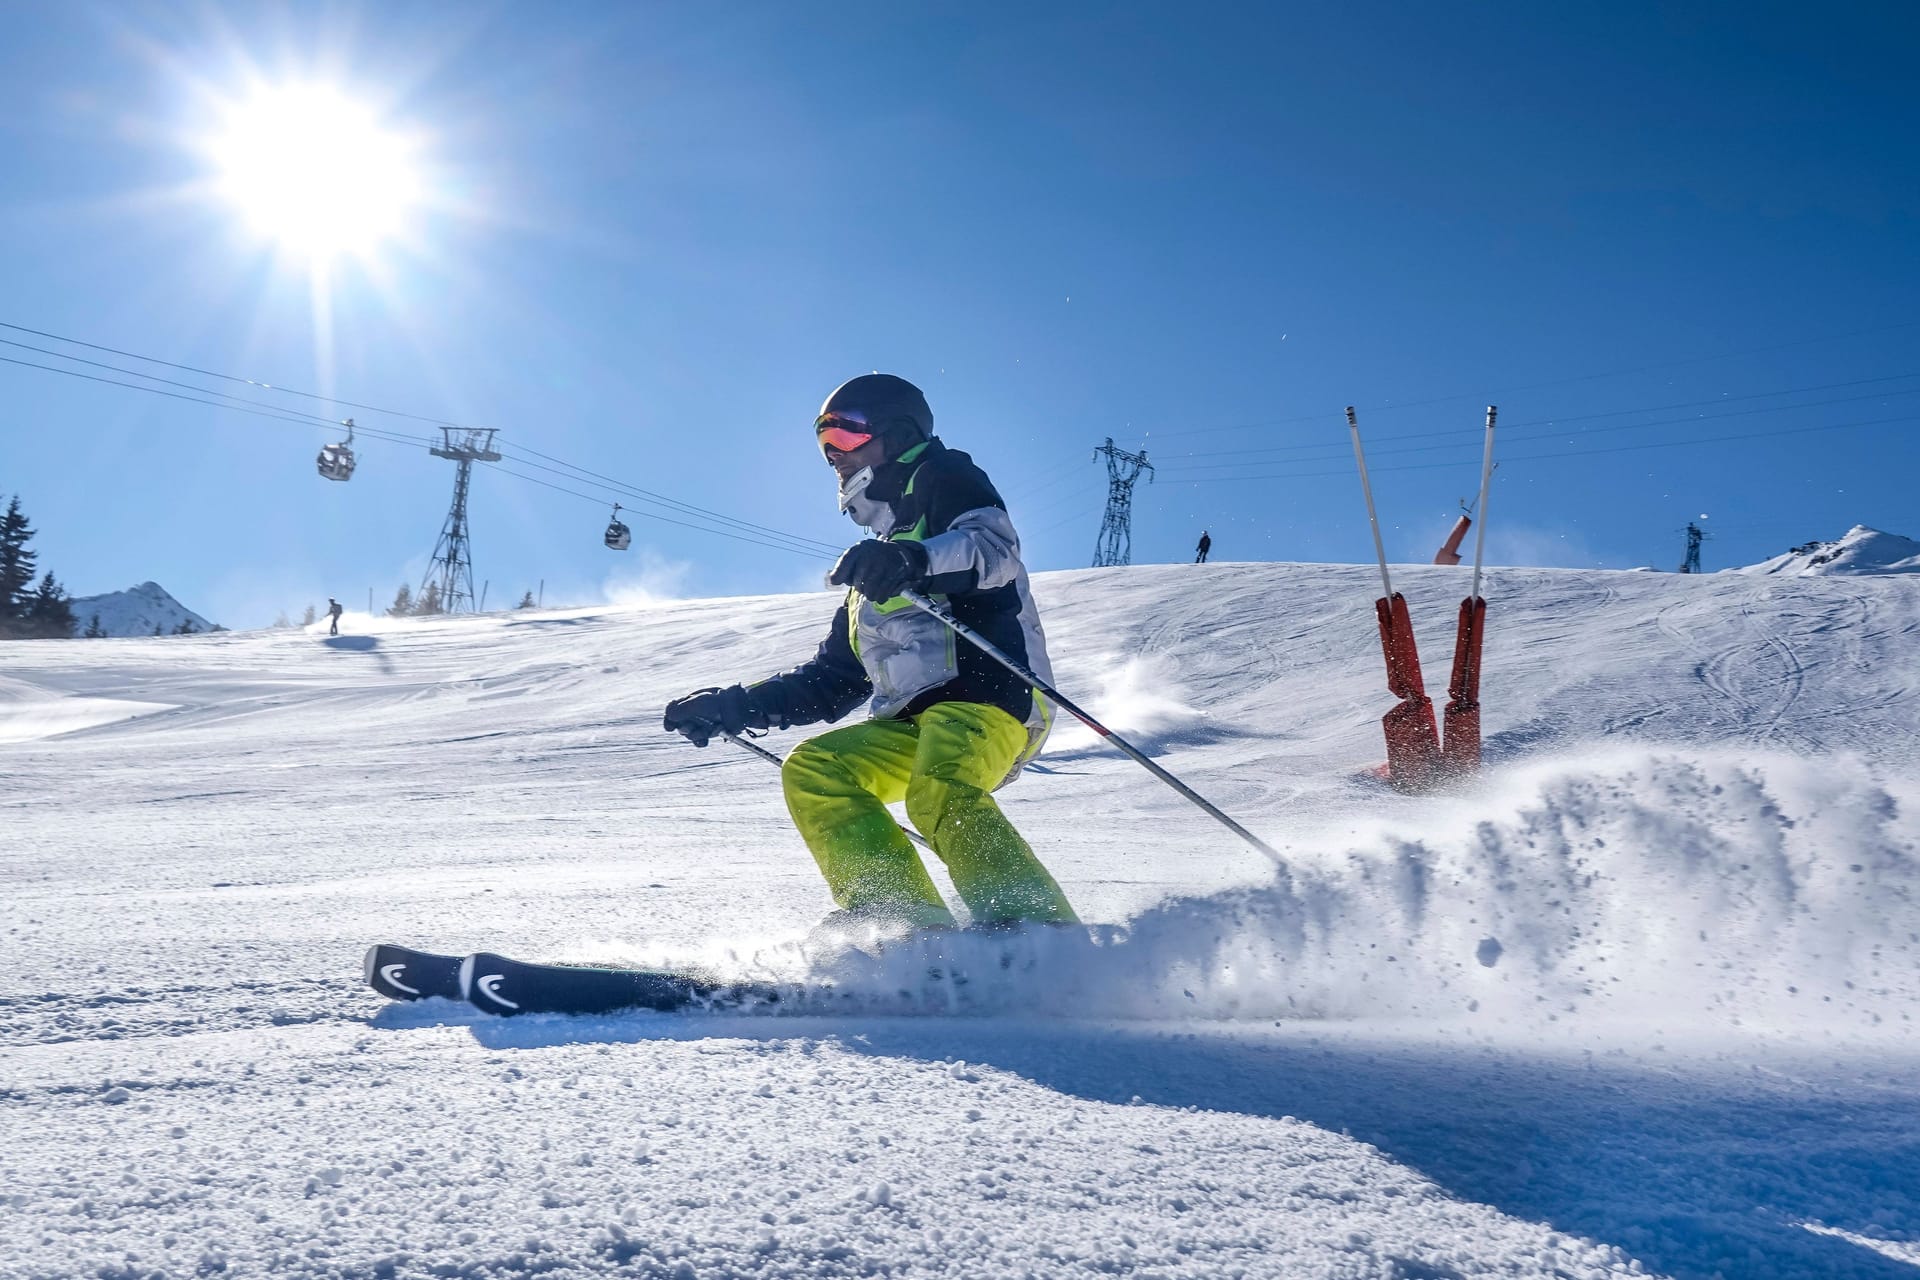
1639,1001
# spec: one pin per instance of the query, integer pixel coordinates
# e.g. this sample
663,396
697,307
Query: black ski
401,973
495,984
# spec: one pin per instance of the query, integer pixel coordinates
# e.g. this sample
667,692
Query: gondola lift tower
451,571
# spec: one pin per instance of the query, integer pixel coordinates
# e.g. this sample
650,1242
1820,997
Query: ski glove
880,570
708,713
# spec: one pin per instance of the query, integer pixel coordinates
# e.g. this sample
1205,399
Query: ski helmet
888,407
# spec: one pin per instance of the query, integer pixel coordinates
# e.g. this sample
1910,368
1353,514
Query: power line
756,534
1585,431
228,377
260,409
273,415
1047,479
1567,453
308,420
134,373
1039,509
616,486
776,546
1474,432
1555,382
1072,519
1314,417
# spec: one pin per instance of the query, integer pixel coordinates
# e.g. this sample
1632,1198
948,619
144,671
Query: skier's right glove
708,713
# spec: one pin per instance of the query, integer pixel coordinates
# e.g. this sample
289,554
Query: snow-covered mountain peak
137,611
1859,550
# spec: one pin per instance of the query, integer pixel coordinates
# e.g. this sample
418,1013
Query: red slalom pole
1413,739
1461,752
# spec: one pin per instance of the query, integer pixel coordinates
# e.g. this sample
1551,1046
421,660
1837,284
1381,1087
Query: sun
315,172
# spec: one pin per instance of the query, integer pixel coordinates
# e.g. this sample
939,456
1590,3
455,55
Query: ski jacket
900,659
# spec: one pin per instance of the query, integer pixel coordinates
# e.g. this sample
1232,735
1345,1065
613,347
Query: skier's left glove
880,570
709,713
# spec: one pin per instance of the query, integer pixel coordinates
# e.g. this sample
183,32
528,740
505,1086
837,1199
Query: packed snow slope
1640,1000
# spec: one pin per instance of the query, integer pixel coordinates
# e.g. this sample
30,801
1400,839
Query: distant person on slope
1206,545
948,724
333,616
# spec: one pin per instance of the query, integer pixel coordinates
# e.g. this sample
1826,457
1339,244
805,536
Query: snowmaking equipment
1413,740
1449,552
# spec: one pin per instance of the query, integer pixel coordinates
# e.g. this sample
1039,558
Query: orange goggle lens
839,433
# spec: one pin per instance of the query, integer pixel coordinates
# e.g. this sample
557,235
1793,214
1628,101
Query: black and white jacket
896,657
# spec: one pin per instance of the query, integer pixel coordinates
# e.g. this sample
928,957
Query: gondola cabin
336,461
619,537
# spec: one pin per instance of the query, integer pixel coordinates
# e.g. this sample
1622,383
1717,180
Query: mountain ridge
135,612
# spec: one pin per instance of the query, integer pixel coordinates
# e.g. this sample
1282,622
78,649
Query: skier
1206,545
947,725
333,616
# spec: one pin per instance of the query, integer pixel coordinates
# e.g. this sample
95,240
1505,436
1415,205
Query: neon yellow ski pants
944,763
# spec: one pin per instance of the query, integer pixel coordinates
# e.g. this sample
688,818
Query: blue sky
654,236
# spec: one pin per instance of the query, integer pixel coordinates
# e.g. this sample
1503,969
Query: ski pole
774,760
987,647
1413,740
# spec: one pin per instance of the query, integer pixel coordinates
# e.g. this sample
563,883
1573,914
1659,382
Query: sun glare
317,173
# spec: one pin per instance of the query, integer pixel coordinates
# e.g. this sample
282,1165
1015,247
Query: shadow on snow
1694,1174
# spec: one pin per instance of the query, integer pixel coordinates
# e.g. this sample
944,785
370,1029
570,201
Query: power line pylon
450,575
1116,531
1695,536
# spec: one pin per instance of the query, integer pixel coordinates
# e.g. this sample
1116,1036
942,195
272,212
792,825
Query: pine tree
280,622
306,619
429,602
94,630
49,612
402,602
526,601
16,565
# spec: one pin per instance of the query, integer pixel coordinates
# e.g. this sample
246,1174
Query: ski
496,984
401,973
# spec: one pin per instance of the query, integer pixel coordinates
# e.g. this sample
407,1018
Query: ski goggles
843,431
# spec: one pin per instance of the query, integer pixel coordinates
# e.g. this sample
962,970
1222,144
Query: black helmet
891,408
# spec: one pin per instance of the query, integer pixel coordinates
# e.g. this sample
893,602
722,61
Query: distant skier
333,616
948,725
1206,545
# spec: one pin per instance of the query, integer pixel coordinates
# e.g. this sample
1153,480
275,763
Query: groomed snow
28,712
1640,1001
